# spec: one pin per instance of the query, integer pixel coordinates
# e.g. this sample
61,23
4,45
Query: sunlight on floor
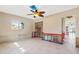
15,43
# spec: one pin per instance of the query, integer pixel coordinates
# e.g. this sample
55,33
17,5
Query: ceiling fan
35,12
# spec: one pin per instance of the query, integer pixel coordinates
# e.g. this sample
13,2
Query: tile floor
36,46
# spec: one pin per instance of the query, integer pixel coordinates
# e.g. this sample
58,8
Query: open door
70,31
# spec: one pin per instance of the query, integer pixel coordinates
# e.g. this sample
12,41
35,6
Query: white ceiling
23,10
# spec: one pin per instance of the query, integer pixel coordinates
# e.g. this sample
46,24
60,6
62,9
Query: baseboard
11,41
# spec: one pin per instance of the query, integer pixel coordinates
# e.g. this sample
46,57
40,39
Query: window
17,25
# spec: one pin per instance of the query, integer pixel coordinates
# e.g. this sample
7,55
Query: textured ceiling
23,10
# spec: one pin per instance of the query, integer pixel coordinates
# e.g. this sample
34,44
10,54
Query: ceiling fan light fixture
36,12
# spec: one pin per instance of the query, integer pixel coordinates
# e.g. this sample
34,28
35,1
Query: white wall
7,34
53,23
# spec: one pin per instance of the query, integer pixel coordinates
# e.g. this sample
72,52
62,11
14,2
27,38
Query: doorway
39,29
70,31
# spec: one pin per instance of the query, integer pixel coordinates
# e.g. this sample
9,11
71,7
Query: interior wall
53,23
7,34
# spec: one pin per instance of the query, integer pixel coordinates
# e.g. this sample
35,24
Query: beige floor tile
36,46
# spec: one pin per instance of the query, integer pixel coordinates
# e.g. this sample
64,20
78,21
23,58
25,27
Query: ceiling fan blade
41,15
29,14
32,11
33,7
42,12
